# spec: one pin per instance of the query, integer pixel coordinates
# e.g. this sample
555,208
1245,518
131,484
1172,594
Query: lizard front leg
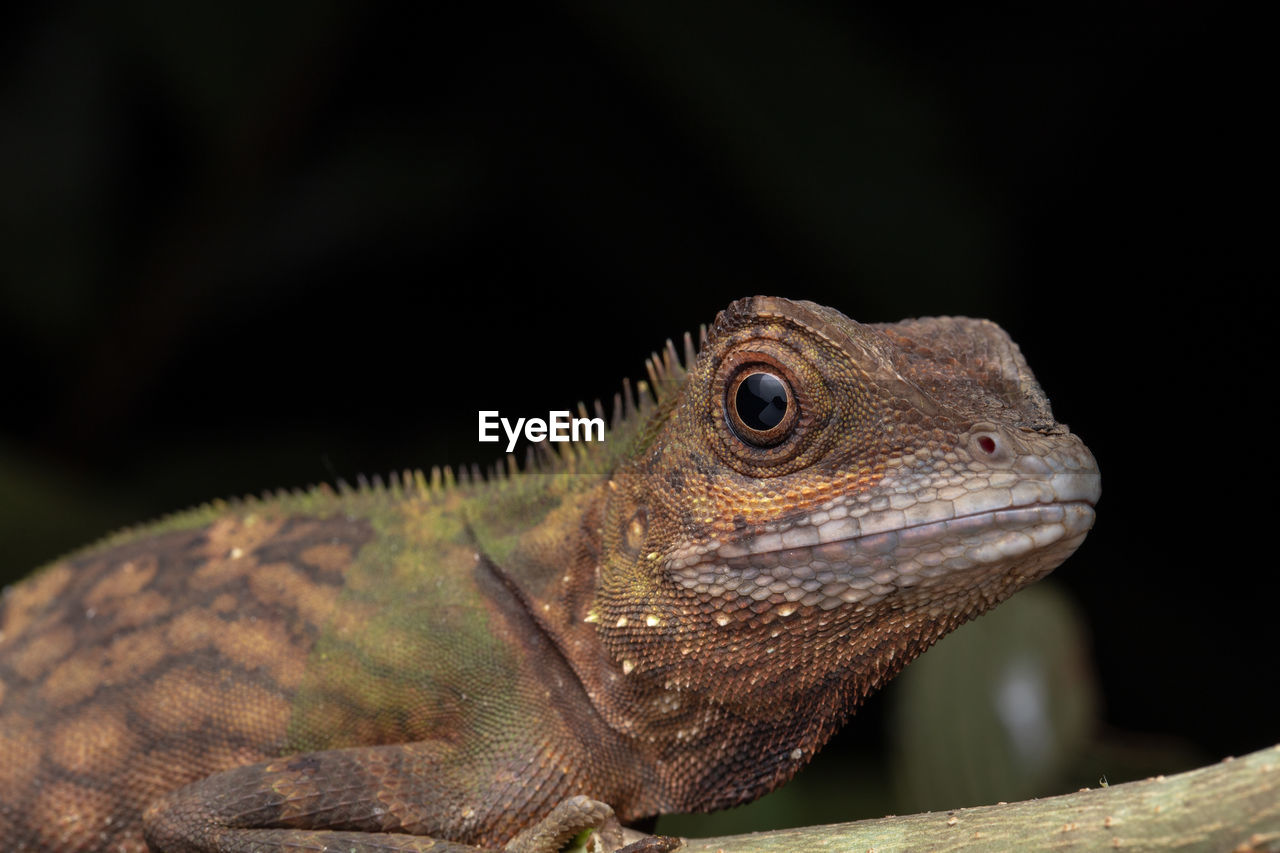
355,800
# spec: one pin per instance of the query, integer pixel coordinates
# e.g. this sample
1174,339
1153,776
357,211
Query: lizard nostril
989,446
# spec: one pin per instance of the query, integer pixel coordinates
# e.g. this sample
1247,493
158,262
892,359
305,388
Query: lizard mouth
829,562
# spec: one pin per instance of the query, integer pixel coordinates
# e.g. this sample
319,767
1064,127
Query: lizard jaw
863,570
840,556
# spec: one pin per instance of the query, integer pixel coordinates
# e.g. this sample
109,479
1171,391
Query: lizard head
819,500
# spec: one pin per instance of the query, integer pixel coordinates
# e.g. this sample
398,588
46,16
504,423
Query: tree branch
1230,806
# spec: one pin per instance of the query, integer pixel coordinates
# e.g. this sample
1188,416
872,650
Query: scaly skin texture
675,620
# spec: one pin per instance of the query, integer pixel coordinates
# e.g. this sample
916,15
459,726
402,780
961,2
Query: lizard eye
760,406
768,409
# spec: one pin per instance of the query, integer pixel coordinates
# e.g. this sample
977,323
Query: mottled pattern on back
131,670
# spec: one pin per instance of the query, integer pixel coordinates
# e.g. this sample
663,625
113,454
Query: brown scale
134,669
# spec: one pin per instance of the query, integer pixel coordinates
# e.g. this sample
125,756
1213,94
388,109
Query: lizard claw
654,844
570,817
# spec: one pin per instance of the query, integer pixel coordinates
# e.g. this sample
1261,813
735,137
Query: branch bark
1233,805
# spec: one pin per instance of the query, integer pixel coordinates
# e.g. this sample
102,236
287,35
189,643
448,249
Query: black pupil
761,401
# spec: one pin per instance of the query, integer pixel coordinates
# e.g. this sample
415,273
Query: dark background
242,249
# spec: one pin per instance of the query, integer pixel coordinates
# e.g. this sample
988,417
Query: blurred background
244,248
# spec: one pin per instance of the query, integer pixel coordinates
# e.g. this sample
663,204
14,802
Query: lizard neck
672,694
710,709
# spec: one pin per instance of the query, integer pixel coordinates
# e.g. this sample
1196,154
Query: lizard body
675,620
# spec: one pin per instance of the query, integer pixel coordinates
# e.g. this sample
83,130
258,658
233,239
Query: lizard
673,620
